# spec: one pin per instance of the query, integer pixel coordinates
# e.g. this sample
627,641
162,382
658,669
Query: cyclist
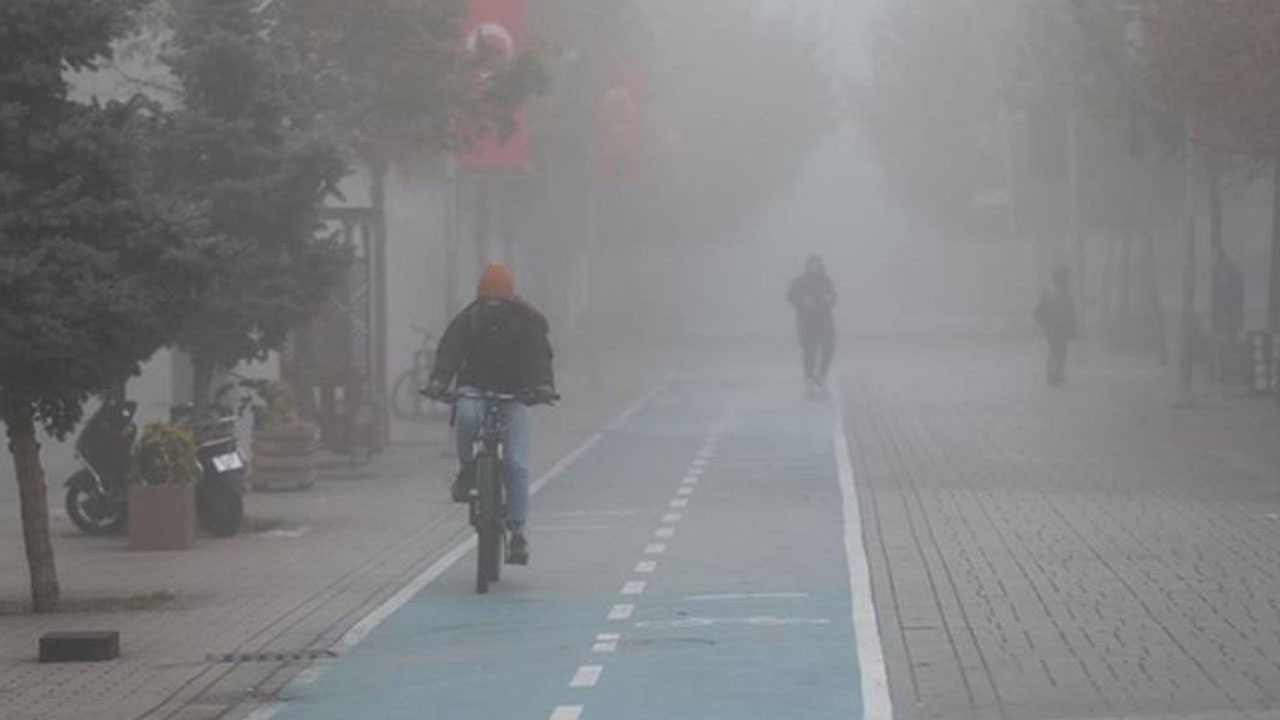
813,296
498,343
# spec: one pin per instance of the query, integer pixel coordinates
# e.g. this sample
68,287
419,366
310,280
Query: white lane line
633,587
644,567
586,676
685,490
670,518
695,471
690,480
700,462
655,548
749,596
358,632
680,502
665,533
621,611
875,682
567,712
606,643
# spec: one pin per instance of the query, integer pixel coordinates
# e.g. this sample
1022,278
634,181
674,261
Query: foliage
165,455
931,109
392,78
94,274
1214,62
277,407
245,151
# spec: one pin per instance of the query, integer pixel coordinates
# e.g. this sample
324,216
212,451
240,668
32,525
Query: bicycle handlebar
525,397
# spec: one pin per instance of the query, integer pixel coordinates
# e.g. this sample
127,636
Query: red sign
495,31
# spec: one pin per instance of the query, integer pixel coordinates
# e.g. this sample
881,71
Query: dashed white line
645,567
606,643
665,532
633,587
701,462
690,480
655,548
695,471
686,490
621,611
671,518
567,712
680,502
586,676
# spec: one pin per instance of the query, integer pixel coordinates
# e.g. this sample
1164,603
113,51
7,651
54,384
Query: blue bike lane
694,563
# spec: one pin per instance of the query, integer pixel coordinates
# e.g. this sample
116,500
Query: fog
945,332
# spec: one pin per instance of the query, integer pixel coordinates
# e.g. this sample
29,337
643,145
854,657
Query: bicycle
406,402
488,506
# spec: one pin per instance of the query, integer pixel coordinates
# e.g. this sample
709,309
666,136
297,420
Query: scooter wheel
221,510
90,512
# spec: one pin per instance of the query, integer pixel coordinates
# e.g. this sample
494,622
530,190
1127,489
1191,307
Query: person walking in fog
1056,314
813,296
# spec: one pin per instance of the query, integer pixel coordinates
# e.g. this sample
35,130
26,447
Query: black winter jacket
496,345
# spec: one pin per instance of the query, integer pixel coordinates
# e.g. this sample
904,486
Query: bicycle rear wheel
488,523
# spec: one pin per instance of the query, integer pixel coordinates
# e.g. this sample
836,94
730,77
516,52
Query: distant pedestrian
1056,314
814,296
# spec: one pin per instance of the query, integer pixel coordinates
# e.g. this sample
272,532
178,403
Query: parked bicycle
406,402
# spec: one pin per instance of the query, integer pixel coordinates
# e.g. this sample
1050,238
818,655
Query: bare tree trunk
35,507
1213,174
202,380
1153,306
1273,293
376,396
1124,315
484,219
1190,328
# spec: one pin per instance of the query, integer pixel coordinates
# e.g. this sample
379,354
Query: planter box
162,517
284,458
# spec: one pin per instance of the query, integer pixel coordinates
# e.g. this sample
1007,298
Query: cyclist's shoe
464,485
517,549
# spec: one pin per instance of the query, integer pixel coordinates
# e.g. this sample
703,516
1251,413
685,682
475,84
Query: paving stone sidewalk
314,564
1090,552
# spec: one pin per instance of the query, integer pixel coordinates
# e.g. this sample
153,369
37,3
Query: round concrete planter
162,517
284,458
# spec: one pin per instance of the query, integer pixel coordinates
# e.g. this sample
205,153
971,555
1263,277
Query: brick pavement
334,554
1090,552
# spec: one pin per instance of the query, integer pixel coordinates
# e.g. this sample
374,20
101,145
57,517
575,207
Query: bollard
79,646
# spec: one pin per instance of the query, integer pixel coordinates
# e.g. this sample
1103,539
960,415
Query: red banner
495,30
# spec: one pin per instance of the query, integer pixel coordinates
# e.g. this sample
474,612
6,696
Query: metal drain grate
306,655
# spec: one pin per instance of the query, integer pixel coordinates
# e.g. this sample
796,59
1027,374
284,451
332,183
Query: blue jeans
515,417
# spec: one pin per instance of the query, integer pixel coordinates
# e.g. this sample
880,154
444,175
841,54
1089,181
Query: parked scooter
98,495
220,493
97,498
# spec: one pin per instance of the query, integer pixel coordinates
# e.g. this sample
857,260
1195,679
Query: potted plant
162,504
284,445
